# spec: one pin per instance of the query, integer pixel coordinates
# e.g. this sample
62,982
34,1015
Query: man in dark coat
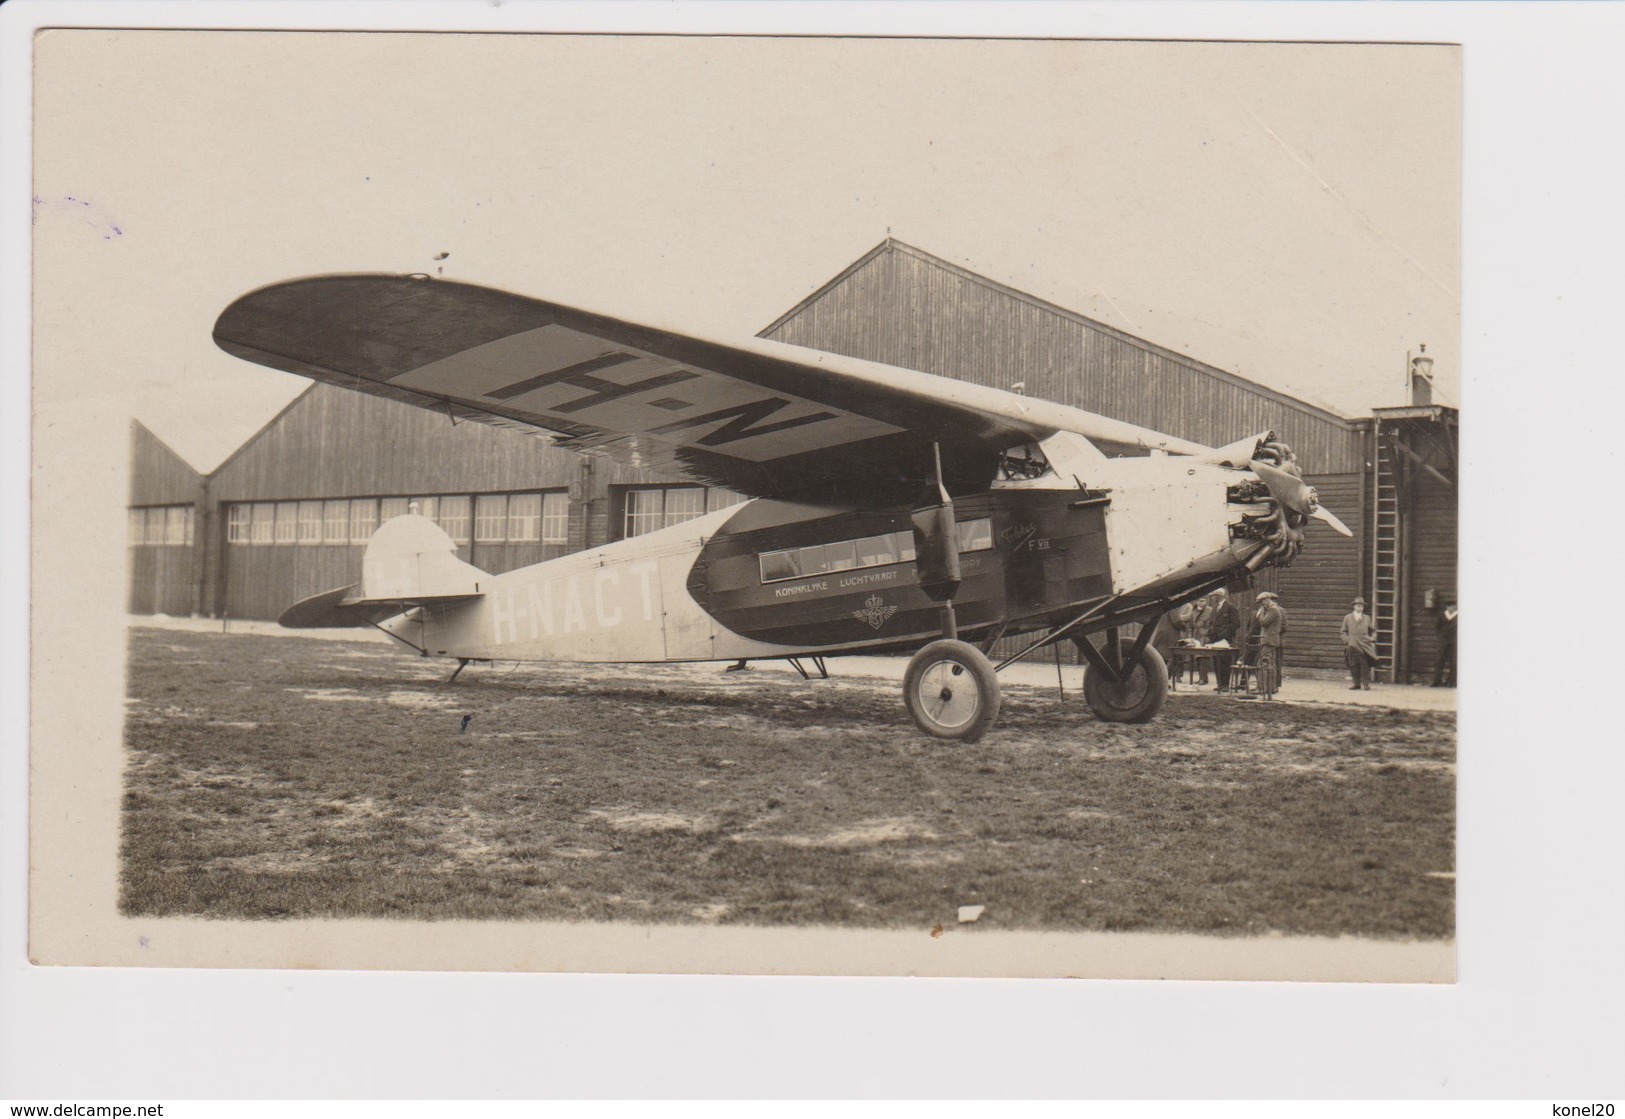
1444,673
1224,624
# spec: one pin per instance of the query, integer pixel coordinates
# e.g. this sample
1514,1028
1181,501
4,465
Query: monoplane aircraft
892,510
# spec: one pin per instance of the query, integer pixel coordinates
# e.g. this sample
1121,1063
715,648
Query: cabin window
363,519
842,556
453,518
866,551
780,565
876,551
975,536
555,518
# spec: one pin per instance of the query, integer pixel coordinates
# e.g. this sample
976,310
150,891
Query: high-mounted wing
761,418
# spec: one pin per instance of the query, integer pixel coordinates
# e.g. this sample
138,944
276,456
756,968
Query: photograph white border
1541,286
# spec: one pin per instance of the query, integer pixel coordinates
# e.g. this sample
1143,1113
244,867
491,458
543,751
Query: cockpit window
1023,463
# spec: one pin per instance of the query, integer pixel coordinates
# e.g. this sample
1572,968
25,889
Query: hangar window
867,551
238,518
391,507
555,518
424,507
453,517
525,517
336,522
263,527
491,518
160,524
178,524
363,519
287,522
650,509
310,522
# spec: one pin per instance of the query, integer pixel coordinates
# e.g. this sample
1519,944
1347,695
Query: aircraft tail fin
410,560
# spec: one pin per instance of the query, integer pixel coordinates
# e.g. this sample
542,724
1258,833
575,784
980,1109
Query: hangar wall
165,496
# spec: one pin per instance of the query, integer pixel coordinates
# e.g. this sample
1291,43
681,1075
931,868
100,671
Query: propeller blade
1322,513
1289,490
1238,454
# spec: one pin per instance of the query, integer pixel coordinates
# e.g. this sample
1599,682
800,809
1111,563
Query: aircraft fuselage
774,579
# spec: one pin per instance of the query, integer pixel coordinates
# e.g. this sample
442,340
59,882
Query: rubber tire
1113,703
964,662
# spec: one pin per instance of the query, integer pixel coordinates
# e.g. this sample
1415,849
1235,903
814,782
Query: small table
1192,658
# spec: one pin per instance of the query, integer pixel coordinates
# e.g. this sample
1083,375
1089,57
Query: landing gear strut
1123,685
950,687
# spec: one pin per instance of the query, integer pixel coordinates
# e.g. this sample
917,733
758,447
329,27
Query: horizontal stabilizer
335,610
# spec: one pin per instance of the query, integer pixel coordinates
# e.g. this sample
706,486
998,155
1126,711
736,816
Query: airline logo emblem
875,612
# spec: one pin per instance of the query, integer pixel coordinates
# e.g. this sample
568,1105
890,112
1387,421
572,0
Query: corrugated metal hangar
288,514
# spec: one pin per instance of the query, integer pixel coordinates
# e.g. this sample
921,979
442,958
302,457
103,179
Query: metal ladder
1385,551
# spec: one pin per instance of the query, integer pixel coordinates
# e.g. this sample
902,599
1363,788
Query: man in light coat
1359,645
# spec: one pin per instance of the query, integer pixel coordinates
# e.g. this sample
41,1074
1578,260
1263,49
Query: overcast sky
1290,213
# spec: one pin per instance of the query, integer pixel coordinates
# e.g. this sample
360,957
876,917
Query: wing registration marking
556,373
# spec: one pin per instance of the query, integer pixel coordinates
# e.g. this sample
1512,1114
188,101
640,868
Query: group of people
1215,625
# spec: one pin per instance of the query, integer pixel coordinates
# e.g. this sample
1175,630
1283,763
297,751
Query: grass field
273,777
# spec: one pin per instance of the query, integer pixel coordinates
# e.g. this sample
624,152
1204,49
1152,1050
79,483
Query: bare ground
272,777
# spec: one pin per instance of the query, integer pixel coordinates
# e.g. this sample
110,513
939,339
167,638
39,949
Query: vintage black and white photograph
753,504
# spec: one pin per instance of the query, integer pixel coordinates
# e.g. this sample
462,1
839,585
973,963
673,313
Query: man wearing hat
1359,645
1224,625
1269,623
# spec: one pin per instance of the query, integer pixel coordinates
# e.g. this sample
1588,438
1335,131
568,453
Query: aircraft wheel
951,691
1137,699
